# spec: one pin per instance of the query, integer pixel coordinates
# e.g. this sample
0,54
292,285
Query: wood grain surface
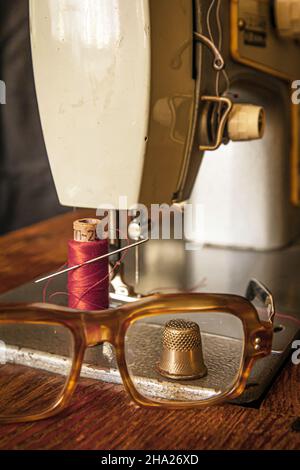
101,415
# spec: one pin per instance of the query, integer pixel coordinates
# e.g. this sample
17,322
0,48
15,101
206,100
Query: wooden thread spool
88,286
85,230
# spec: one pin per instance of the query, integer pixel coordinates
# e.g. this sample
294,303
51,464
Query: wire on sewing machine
220,42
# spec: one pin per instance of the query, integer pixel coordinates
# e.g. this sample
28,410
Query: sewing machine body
125,92
117,70
124,116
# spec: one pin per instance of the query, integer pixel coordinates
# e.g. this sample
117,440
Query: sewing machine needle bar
72,268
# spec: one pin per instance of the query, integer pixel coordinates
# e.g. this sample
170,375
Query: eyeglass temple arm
257,289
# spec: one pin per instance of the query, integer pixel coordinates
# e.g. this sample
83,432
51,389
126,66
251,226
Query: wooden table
101,415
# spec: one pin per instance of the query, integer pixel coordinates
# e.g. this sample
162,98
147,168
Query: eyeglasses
175,351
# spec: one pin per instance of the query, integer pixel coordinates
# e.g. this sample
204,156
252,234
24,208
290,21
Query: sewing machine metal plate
203,270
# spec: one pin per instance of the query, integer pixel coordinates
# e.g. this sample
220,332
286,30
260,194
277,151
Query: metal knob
246,122
182,357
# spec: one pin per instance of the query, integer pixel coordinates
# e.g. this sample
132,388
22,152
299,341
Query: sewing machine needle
72,268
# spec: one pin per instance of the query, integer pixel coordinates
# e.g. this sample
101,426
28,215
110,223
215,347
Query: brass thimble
182,357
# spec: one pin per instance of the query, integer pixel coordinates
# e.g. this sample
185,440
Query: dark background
27,192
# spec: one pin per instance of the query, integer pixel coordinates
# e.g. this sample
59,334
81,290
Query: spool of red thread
88,286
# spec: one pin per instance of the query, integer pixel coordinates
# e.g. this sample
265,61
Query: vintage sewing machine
175,102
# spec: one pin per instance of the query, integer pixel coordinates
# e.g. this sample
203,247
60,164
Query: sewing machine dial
287,16
259,33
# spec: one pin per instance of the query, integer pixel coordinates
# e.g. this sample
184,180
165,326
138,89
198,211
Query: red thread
88,286
87,290
288,317
46,287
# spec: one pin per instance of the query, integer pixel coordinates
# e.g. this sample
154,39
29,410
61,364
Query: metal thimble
181,356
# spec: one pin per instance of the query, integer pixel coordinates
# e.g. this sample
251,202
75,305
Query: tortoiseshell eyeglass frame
93,328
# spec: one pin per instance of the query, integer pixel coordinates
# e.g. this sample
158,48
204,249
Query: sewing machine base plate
215,270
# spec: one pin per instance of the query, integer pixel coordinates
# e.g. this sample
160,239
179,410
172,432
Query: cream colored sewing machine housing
121,87
107,73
